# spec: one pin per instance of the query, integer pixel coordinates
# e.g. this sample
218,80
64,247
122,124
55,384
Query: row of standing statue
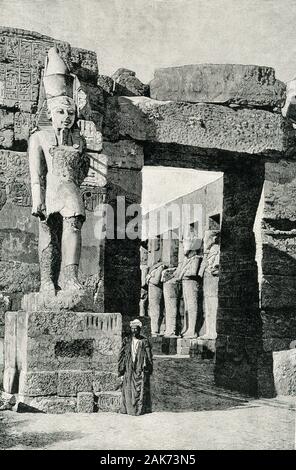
165,285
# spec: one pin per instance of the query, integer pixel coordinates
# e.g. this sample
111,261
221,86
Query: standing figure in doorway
171,291
187,273
209,270
58,165
135,366
155,296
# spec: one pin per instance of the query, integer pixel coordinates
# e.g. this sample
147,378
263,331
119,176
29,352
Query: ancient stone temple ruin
60,351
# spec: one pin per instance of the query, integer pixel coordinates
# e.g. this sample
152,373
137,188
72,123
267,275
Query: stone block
68,344
23,125
106,84
85,402
84,64
108,401
7,400
92,133
278,327
34,384
22,56
49,404
279,254
16,276
78,301
244,85
123,154
68,325
71,382
284,370
205,348
169,345
278,291
156,343
183,346
6,129
105,381
203,126
127,84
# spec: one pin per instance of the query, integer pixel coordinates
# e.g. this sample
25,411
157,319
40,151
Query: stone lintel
244,85
204,126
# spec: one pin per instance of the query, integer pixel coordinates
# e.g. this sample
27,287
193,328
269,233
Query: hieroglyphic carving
14,177
92,197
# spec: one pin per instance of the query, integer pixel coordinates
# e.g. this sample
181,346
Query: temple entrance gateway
239,131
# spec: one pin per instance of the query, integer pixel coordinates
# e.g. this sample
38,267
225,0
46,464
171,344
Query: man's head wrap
136,322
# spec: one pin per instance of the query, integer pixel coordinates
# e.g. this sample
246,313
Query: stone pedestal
162,345
185,345
55,361
203,348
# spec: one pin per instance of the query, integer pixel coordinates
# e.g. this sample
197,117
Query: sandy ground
259,424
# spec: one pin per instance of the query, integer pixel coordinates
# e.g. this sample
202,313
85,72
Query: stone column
238,345
122,163
277,263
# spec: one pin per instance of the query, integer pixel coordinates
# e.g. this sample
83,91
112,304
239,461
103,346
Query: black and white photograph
147,228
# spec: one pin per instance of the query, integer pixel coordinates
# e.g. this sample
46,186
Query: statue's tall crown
57,79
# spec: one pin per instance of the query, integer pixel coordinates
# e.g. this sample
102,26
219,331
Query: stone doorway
238,318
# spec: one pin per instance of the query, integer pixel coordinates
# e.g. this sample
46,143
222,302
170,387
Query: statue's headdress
57,79
60,86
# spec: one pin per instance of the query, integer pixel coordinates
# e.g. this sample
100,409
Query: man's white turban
136,322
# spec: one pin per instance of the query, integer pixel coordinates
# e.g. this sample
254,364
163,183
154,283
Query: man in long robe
135,366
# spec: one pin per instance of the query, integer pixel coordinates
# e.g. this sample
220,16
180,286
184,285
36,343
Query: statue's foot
73,284
71,281
170,335
190,334
208,336
47,287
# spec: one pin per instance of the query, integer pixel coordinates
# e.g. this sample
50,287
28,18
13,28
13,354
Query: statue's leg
71,251
210,306
49,253
143,303
154,306
170,292
190,289
185,300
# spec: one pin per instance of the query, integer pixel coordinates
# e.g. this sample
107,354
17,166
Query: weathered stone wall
278,268
60,361
238,321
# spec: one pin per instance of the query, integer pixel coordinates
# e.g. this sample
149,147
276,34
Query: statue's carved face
62,112
191,244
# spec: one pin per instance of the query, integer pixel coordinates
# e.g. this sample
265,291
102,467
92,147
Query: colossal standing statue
187,272
209,270
155,296
58,166
171,291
